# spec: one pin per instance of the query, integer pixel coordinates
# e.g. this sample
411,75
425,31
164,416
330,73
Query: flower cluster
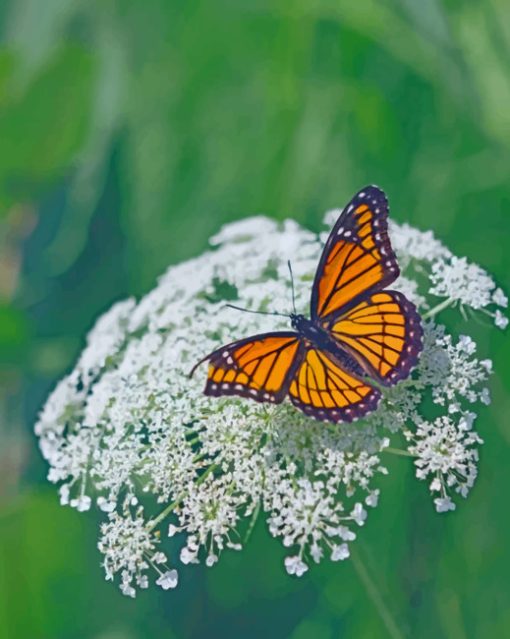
129,432
129,547
445,450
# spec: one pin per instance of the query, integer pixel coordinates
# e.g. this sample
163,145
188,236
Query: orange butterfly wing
323,388
383,334
357,258
380,329
258,367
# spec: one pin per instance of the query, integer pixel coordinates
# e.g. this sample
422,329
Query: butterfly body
358,333
316,337
310,330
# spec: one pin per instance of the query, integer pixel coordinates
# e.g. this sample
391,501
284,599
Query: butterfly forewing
326,390
357,257
258,367
383,334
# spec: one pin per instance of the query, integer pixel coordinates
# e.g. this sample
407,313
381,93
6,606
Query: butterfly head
298,322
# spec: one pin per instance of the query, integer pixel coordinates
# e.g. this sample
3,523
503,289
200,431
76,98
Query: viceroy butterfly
358,332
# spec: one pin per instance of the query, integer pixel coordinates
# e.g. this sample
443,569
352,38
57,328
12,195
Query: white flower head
446,450
459,280
128,431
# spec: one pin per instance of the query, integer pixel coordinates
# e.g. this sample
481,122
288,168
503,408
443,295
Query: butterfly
360,336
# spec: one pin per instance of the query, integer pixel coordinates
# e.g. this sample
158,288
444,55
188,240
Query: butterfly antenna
292,284
248,310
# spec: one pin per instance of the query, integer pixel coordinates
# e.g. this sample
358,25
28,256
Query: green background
129,132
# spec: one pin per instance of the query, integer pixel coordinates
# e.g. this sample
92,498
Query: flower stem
164,513
376,597
253,521
397,451
437,309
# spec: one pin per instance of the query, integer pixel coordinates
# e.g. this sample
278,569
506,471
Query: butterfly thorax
313,333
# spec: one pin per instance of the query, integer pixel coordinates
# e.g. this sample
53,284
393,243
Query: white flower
462,281
413,245
373,499
500,320
295,566
359,514
128,430
499,298
129,548
81,503
446,450
452,370
339,553
247,229
444,504
189,556
168,579
105,505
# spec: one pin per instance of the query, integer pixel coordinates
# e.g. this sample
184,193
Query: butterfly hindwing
357,257
383,333
258,367
326,390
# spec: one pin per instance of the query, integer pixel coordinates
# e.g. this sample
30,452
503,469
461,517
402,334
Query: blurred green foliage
129,132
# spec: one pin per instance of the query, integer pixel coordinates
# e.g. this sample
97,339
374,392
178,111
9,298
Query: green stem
437,309
164,513
397,451
376,597
253,521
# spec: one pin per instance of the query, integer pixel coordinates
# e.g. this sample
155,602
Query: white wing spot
362,194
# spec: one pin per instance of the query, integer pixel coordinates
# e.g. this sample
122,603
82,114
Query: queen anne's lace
128,430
